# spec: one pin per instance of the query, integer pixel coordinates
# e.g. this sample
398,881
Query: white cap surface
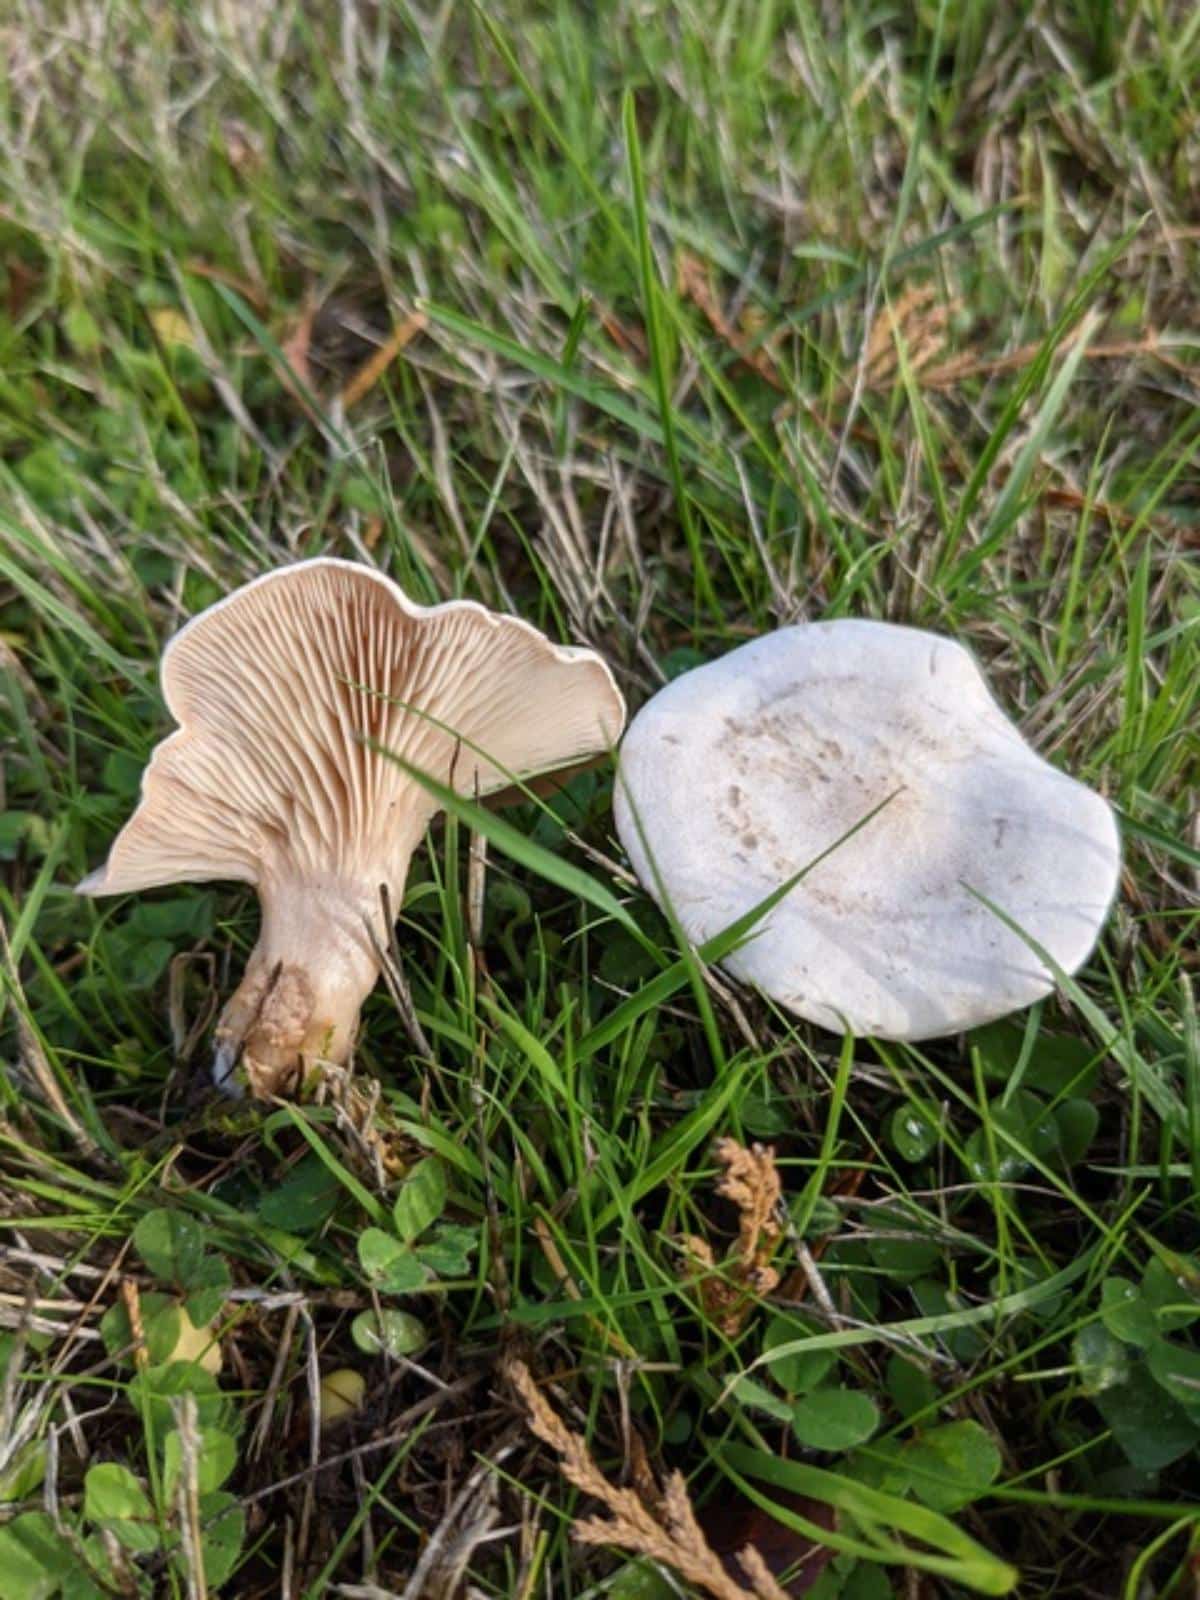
742,772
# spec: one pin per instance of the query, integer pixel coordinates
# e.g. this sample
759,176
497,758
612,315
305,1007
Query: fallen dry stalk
693,281
666,1532
369,374
751,1182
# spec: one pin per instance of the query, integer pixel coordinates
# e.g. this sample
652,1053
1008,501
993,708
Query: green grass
989,1239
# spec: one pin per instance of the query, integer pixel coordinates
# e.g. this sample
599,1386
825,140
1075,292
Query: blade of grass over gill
1029,381
523,850
961,1559
668,982
651,292
1147,1078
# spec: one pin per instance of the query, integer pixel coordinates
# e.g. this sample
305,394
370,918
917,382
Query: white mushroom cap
738,774
287,693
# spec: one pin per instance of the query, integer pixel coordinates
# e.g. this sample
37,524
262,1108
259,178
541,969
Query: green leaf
952,1465
185,918
1167,1295
909,1386
171,1244
122,773
901,1258
640,1581
1057,1063
160,1328
290,1113
867,1583
114,1498
1125,1314
1176,1368
304,1200
216,1457
915,1129
1077,1123
1101,1358
1150,1428
1021,1127
19,826
23,1472
82,329
80,1585
757,1397
421,1200
796,1371
155,1393
879,1464
393,1333
377,1251
392,1266
33,1560
765,1118
207,1289
142,962
935,1299
448,1250
224,1525
834,1419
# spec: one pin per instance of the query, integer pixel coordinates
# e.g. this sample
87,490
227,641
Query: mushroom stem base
297,1006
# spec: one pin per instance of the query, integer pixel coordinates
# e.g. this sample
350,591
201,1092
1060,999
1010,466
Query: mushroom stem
315,962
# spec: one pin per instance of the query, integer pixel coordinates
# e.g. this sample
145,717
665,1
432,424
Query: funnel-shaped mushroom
291,696
740,773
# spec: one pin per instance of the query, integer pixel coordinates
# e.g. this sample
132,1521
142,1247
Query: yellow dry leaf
171,326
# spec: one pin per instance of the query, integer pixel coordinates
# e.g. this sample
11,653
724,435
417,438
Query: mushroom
743,772
292,695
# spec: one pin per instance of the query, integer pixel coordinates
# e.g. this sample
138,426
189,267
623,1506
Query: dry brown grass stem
666,1532
751,1182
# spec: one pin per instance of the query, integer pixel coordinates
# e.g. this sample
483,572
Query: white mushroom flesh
739,774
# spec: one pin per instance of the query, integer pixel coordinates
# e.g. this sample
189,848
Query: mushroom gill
293,695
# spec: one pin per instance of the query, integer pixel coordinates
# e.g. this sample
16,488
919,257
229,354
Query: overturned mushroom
739,774
292,696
